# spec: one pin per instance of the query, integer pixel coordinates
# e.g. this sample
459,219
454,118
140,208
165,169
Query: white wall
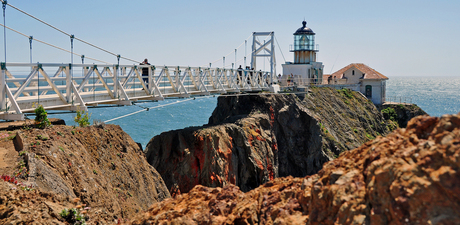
378,90
301,73
353,79
298,71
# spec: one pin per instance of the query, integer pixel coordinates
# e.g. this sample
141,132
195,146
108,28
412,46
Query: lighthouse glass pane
304,42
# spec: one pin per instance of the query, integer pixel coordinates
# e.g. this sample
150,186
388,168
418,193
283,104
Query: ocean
436,96
170,114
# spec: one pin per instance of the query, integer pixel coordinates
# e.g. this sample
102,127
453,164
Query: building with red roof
359,77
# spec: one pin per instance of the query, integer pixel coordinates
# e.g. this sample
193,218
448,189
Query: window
352,72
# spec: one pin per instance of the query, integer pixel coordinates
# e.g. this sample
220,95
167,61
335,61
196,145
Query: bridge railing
75,86
398,99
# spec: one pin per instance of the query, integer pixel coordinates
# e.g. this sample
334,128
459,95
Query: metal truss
77,86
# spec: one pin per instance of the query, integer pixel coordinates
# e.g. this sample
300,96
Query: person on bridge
145,72
240,75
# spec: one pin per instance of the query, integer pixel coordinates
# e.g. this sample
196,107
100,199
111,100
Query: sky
397,38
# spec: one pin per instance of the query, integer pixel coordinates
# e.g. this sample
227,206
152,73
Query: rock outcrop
100,165
252,139
411,176
400,113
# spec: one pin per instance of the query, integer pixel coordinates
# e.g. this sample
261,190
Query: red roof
369,73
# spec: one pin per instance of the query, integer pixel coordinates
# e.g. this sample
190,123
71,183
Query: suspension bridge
72,87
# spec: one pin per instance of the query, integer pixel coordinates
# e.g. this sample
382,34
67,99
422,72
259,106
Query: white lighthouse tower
305,70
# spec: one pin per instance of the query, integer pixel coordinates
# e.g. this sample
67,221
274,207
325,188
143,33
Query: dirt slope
101,165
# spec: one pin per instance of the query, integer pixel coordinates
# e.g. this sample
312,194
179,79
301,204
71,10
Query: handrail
94,84
398,99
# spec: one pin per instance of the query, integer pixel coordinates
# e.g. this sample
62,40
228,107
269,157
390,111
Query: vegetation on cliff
398,115
348,119
252,139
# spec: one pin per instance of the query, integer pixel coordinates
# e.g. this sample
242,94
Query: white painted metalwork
24,85
266,49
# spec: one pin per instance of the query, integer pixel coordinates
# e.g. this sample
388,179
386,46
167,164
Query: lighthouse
305,70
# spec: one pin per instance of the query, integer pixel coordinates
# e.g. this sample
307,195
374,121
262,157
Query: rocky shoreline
316,158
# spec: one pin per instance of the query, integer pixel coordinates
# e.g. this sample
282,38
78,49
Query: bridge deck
112,84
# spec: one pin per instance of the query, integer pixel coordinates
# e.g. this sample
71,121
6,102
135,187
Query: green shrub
73,216
41,117
82,118
389,114
346,92
369,136
392,125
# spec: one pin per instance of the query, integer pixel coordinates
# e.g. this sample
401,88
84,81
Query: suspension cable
9,28
231,51
147,109
281,53
279,47
5,3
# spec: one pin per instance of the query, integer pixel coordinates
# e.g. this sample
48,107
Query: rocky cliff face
411,176
401,113
100,165
252,139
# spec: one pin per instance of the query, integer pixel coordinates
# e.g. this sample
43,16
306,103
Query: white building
362,78
305,69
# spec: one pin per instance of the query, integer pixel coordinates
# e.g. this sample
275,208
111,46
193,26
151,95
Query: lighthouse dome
304,29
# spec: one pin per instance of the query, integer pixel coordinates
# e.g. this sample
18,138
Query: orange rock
404,178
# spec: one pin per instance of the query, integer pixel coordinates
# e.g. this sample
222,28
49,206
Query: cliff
411,176
252,139
45,169
400,114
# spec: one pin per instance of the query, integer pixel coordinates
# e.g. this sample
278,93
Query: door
369,91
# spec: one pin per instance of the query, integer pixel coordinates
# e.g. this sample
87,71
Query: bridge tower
266,49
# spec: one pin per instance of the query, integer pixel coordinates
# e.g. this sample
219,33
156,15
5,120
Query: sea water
170,114
436,96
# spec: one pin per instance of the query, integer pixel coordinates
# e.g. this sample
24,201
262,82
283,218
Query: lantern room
304,45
